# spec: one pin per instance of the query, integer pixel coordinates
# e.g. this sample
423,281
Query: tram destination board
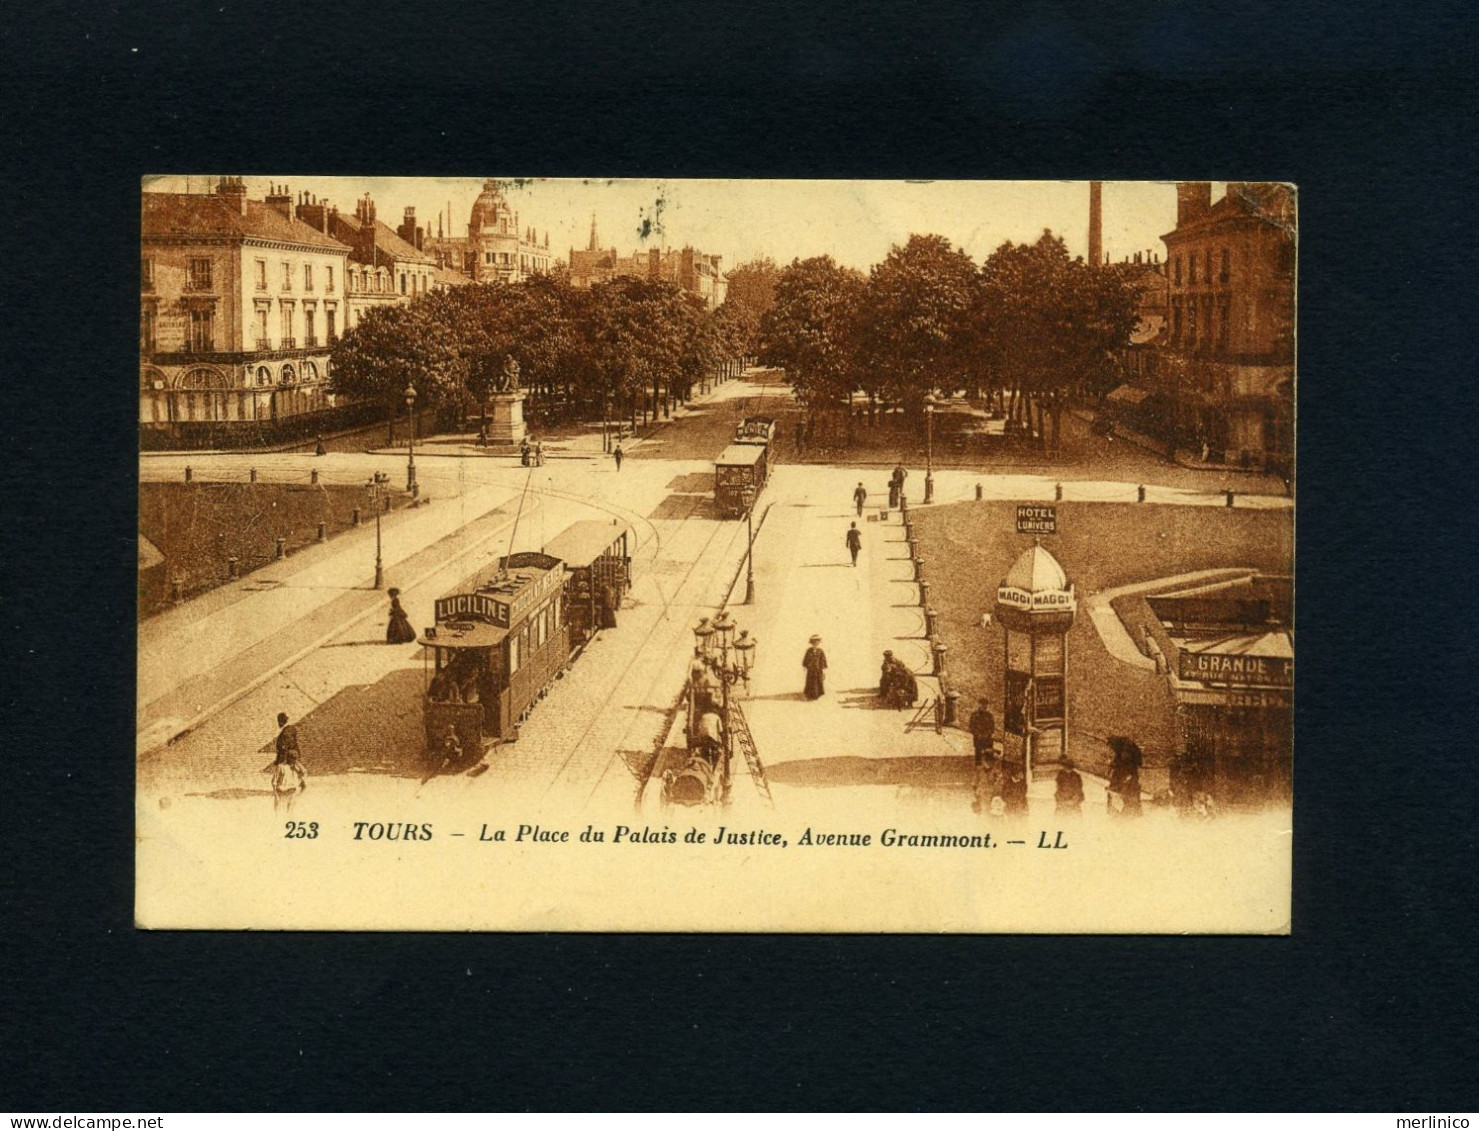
1035,518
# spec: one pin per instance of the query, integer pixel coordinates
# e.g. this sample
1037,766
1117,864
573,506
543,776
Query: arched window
289,375
310,371
264,375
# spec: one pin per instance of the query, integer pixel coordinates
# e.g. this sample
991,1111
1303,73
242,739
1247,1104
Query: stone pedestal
506,420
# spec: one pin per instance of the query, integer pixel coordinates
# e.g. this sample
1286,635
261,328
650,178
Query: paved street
307,637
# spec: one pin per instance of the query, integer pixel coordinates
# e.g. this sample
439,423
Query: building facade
694,271
1227,363
384,268
496,248
240,303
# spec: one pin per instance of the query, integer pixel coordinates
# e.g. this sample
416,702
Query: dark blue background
1369,110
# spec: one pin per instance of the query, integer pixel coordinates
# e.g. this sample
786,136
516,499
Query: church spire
595,244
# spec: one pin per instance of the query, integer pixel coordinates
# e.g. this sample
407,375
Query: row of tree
627,347
1030,326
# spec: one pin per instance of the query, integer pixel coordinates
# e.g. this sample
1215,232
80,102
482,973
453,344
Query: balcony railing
310,342
288,344
264,343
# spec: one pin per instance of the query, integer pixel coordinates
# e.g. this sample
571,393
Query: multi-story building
694,271
496,249
1227,363
240,302
385,268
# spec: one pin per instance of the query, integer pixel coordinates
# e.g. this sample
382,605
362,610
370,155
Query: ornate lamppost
375,491
929,449
726,662
749,497
411,440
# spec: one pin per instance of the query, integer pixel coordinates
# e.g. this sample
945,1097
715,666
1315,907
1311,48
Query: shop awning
1128,394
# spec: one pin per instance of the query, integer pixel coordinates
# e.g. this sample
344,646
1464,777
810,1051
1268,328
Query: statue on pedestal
507,380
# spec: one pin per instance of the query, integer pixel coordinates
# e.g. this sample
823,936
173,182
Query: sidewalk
197,657
845,753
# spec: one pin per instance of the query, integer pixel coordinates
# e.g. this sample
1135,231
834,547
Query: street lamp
744,649
726,670
411,440
749,497
929,449
375,490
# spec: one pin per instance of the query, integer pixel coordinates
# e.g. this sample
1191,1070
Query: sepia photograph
715,555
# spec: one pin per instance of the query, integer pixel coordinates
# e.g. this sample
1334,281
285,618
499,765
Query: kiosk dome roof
1036,571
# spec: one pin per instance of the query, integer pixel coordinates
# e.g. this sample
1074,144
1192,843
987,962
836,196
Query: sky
856,222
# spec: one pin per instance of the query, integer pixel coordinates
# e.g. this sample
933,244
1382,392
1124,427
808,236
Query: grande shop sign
1236,671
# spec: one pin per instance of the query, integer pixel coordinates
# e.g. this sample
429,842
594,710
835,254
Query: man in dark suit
983,732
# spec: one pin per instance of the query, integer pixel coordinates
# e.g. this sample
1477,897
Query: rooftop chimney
1096,223
1193,201
280,200
234,190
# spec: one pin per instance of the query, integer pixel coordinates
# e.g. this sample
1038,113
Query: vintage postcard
825,556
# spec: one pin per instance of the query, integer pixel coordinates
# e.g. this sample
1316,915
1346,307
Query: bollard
940,649
313,475
1140,493
1058,492
918,569
231,566
913,545
952,701
924,594
254,474
387,504
323,531
282,547
354,517
189,473
978,492
1229,497
177,589
930,617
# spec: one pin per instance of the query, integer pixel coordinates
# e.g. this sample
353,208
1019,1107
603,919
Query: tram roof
581,543
741,455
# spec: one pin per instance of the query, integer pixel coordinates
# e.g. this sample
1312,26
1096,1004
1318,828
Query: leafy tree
811,329
394,347
749,292
1050,324
917,318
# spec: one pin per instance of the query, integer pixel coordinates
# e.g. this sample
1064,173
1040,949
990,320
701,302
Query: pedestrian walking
1124,777
815,663
617,456
524,451
288,776
399,630
983,732
896,486
1014,790
482,435
538,453
800,435
854,543
860,496
319,449
1068,790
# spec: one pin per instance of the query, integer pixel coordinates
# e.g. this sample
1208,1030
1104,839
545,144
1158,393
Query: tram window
513,654
541,627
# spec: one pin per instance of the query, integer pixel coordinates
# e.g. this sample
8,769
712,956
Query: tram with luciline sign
496,647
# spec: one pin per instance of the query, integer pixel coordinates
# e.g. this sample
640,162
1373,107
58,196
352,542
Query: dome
1036,571
489,207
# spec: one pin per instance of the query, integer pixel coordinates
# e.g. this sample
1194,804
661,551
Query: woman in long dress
399,631
815,663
